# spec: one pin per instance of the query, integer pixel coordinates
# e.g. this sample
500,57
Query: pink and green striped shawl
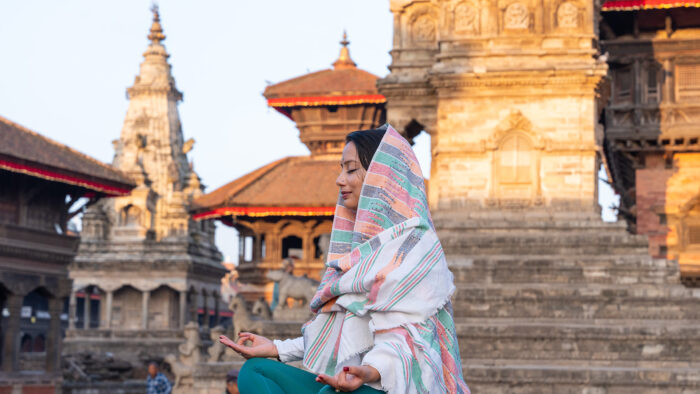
387,277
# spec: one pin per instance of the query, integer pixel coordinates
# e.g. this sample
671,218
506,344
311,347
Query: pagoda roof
27,152
292,186
344,84
633,5
330,82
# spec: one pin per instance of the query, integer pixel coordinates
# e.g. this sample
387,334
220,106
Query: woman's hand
260,346
350,378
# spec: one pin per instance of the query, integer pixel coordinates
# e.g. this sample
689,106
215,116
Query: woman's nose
340,180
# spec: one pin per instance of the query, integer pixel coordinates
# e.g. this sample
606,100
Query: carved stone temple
550,298
144,266
283,209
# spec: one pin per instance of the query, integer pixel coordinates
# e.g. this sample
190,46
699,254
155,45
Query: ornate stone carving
424,30
242,319
261,309
567,15
217,349
466,18
191,350
183,365
298,287
515,121
516,16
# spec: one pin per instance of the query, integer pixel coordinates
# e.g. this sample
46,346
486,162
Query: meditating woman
383,318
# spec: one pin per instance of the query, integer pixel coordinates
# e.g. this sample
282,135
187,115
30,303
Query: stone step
475,243
576,301
602,269
528,377
636,342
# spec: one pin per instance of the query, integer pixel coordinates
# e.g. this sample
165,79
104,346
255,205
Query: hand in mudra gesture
350,378
259,347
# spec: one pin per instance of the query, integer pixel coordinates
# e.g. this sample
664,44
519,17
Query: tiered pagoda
282,209
151,266
43,185
652,123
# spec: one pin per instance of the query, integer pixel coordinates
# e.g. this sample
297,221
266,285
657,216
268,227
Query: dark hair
366,142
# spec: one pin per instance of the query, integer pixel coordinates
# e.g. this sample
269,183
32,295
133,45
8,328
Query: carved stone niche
568,15
516,160
423,26
466,18
517,16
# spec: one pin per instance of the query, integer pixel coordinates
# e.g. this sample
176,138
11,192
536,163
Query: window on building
292,247
694,235
688,82
248,248
623,85
263,247
652,90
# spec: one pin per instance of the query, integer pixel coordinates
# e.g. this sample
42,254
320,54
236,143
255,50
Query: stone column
144,309
205,310
86,310
217,316
108,310
72,306
11,340
183,309
53,337
194,307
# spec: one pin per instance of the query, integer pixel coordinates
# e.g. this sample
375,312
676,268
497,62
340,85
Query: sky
65,66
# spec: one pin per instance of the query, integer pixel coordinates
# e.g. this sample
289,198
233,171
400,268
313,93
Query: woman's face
351,176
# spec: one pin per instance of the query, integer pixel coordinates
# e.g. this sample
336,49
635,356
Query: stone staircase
568,305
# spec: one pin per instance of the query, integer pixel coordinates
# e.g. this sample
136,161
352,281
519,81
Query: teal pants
264,376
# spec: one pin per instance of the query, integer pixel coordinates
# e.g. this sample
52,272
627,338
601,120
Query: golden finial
156,35
344,60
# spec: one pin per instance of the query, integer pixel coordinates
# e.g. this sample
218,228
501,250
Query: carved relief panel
567,16
466,18
422,23
516,16
515,162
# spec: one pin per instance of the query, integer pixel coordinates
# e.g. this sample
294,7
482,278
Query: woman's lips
345,195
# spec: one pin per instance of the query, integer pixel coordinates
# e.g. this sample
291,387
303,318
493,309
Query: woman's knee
256,365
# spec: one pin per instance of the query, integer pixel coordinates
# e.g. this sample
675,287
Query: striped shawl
385,295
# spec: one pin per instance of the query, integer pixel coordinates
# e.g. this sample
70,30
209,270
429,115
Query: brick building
652,123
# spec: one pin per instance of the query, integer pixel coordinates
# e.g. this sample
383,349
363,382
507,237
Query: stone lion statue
297,287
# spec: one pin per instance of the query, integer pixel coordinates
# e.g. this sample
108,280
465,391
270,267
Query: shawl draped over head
387,277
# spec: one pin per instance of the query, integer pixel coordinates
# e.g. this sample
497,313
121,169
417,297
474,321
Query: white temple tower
144,266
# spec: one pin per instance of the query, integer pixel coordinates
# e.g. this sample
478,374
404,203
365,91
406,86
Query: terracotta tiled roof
343,82
25,151
289,182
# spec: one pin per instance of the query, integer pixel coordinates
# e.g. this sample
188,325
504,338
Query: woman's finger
329,380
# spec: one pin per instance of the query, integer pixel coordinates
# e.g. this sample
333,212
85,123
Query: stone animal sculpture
191,350
243,320
179,369
217,349
297,287
261,309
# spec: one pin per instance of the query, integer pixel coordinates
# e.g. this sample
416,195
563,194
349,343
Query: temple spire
156,35
344,60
